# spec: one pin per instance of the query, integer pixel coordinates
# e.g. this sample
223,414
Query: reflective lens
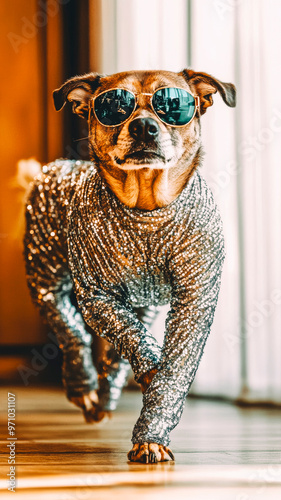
173,106
114,107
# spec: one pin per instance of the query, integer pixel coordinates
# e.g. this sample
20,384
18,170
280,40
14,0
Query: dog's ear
79,91
205,86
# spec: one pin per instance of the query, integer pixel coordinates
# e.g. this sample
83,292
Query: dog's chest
115,249
123,255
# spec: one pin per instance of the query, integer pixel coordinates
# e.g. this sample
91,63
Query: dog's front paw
89,403
150,453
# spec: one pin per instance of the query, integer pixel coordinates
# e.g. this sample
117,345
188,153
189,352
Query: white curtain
241,43
258,138
236,41
137,34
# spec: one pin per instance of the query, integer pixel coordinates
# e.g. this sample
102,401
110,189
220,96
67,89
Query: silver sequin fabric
118,260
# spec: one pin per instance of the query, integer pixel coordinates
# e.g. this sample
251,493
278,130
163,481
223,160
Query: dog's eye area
114,107
174,106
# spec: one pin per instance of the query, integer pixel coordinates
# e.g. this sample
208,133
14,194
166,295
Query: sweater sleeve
107,310
195,269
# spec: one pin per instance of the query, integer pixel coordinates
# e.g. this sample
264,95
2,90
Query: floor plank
221,451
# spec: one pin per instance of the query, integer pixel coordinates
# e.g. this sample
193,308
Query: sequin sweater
117,258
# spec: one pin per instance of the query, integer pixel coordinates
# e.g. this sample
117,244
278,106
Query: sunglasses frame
196,107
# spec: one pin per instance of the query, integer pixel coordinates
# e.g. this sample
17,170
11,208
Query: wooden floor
222,452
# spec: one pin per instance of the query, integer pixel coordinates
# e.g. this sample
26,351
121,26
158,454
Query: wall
29,127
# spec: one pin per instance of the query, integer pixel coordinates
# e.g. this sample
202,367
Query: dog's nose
144,128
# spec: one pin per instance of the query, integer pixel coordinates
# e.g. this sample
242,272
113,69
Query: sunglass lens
114,107
174,106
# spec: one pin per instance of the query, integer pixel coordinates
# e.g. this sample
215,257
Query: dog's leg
50,286
118,323
195,288
113,318
78,373
113,369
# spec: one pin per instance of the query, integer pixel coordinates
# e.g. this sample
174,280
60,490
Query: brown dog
144,176
144,140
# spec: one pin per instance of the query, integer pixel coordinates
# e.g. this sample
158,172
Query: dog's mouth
143,156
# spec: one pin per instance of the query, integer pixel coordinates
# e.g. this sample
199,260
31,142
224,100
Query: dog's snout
144,128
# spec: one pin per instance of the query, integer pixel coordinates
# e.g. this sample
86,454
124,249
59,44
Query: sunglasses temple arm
197,104
90,111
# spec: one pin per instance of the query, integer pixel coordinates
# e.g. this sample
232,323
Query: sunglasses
172,105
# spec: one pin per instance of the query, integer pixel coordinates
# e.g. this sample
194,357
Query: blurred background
44,42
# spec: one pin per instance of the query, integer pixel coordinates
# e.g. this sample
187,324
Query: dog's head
143,139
